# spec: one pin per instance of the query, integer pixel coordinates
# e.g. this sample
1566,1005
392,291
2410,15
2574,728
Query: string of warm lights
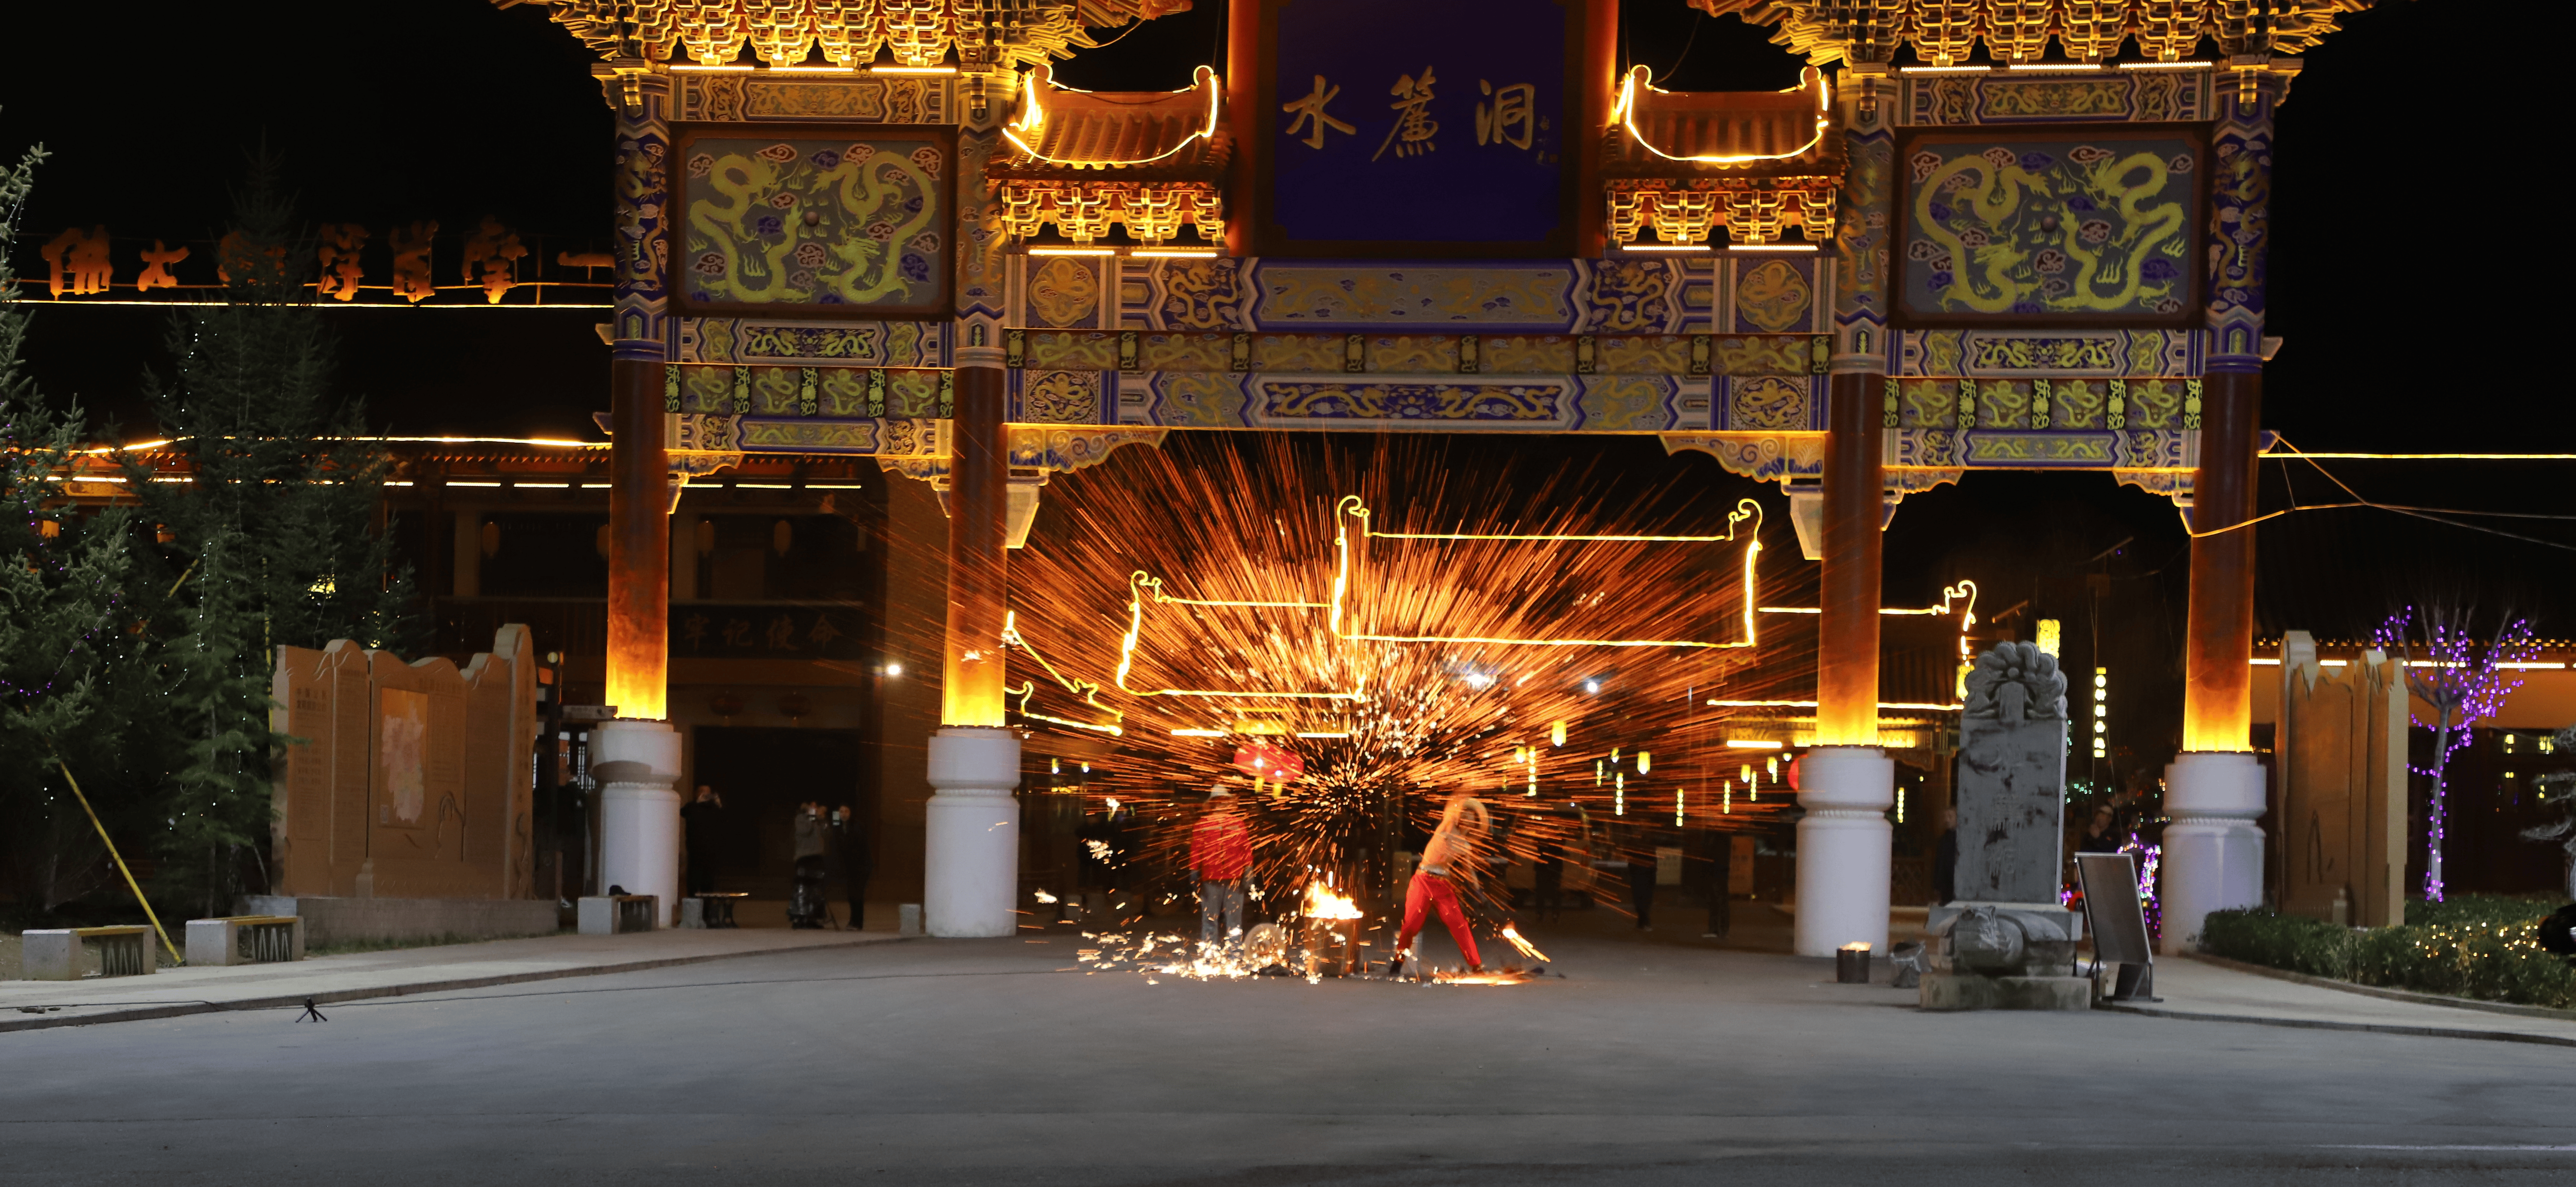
2287,451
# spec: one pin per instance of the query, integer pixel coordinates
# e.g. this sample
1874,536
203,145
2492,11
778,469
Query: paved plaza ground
999,1061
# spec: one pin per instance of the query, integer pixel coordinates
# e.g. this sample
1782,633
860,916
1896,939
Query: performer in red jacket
1220,853
1445,861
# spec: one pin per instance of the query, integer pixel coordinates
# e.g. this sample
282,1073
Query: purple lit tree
2465,678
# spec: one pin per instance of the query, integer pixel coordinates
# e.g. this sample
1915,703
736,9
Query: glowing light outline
1028,688
1622,112
1351,506
1034,117
1140,581
1142,584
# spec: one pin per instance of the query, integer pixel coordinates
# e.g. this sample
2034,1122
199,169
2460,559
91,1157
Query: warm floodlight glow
1623,115
1033,116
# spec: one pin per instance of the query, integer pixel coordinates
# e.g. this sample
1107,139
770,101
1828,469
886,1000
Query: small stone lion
2016,681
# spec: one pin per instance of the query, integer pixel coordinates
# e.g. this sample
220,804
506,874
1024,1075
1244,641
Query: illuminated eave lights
1184,253
1732,247
748,68
1621,114
2056,67
1033,117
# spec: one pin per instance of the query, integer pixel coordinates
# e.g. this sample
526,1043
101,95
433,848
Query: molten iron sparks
1251,627
1512,932
1159,956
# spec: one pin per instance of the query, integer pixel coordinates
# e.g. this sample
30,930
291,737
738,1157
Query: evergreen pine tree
77,678
275,542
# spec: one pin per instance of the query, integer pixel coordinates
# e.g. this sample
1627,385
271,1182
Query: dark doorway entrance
763,773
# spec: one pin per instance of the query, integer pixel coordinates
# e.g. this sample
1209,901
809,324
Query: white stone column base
971,872
637,764
2213,852
1843,848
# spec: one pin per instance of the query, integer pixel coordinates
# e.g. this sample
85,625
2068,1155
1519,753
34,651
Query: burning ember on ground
1266,949
1166,955
1322,903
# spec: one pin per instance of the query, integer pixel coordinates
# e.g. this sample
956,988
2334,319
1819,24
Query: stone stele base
1967,991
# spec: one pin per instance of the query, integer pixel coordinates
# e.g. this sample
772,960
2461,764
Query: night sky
2406,248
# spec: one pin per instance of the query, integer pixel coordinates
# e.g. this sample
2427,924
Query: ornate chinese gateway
882,228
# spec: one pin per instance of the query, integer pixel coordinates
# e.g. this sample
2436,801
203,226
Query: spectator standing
2103,834
858,857
805,902
1220,854
699,823
1641,876
1712,863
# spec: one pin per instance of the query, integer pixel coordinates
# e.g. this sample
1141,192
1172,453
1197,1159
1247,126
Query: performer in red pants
1444,861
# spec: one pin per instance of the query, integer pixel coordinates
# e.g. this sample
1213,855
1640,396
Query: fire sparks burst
1405,626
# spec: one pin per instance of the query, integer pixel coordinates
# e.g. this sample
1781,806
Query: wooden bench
713,909
56,954
245,939
617,914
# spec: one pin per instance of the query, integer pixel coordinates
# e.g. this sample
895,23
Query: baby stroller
806,906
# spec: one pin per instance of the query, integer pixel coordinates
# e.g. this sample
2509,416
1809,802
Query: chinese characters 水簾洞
1311,115
1511,118
1413,123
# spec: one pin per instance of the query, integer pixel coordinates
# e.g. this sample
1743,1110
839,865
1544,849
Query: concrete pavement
2204,991
175,991
1003,1062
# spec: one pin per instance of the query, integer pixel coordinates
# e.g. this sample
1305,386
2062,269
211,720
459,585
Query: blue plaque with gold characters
1423,127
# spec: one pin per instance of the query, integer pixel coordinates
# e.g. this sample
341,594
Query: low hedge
2474,946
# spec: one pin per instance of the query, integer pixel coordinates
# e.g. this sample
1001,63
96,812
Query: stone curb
2429,1032
2385,993
295,1000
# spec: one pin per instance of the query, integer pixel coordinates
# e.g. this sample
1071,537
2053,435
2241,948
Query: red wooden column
2218,697
639,540
978,564
1847,627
